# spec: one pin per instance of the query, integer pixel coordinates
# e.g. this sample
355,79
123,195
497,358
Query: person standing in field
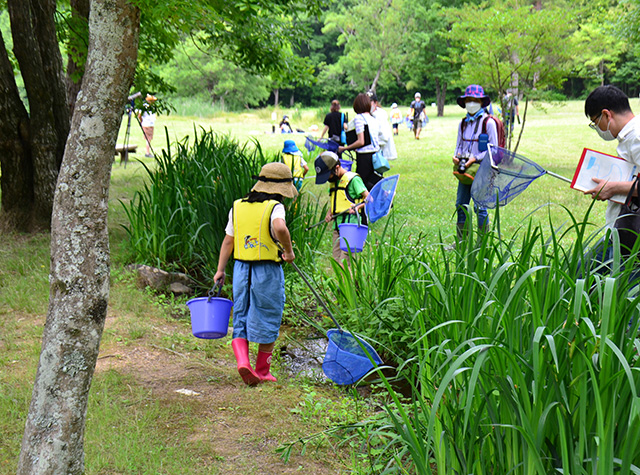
511,111
608,109
254,233
335,124
475,128
417,114
292,157
385,136
347,196
396,118
148,122
364,148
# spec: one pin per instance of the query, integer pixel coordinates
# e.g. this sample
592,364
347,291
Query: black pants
364,167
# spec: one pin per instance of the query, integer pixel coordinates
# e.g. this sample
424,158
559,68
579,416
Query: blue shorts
258,300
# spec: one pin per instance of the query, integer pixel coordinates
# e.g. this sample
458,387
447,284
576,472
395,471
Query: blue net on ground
502,176
381,198
325,144
346,360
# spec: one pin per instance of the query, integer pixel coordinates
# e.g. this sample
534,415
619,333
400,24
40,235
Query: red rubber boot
241,350
263,365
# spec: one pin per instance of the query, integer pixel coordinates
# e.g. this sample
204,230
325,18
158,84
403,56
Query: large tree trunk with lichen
32,144
53,441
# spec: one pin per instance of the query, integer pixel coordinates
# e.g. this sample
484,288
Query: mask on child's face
333,178
473,107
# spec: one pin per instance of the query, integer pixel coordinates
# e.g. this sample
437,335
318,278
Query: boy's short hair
606,97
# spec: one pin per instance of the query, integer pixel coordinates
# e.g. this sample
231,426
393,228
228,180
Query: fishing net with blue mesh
503,175
348,358
381,198
325,144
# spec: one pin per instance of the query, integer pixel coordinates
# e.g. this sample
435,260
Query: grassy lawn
554,137
137,422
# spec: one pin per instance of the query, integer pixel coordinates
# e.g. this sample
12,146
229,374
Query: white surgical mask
473,107
605,134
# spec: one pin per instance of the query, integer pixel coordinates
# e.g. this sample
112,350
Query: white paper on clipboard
595,164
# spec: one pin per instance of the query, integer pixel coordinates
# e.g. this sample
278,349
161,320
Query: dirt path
242,426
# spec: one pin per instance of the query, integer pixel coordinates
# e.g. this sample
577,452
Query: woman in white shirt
364,153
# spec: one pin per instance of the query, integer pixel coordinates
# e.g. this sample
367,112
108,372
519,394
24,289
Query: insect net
348,358
502,176
381,198
324,144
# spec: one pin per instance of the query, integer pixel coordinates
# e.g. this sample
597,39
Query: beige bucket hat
276,178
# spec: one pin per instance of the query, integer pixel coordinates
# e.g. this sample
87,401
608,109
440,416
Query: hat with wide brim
290,147
275,178
475,91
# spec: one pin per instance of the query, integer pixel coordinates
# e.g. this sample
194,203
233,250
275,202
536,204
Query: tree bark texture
38,54
441,95
80,14
16,179
53,441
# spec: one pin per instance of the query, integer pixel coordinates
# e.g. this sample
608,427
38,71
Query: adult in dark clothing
364,153
335,122
417,114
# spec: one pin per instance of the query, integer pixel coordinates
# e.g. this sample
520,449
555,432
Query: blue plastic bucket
352,236
346,164
210,316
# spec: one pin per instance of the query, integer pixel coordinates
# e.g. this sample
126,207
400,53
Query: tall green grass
522,355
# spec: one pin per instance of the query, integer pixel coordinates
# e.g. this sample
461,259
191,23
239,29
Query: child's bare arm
225,253
282,234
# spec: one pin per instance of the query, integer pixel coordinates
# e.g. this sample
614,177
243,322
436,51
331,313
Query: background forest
397,47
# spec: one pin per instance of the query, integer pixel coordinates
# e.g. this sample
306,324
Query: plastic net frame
381,198
348,358
502,176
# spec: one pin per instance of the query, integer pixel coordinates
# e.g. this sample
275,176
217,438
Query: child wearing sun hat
255,231
292,157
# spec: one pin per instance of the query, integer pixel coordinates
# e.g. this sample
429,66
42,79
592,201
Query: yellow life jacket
294,163
252,239
340,199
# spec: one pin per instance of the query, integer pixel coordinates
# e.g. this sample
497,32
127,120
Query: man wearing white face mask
611,117
475,127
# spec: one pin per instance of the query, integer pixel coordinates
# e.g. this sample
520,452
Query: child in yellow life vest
292,157
347,196
256,225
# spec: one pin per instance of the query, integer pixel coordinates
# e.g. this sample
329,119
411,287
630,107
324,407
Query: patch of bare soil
242,425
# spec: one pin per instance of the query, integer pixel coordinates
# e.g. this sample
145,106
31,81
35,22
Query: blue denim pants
463,199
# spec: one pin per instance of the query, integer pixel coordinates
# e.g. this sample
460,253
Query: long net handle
316,295
559,177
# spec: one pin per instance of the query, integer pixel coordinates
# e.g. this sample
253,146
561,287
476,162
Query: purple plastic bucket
346,164
210,316
352,236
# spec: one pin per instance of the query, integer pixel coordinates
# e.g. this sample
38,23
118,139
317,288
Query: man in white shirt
611,117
